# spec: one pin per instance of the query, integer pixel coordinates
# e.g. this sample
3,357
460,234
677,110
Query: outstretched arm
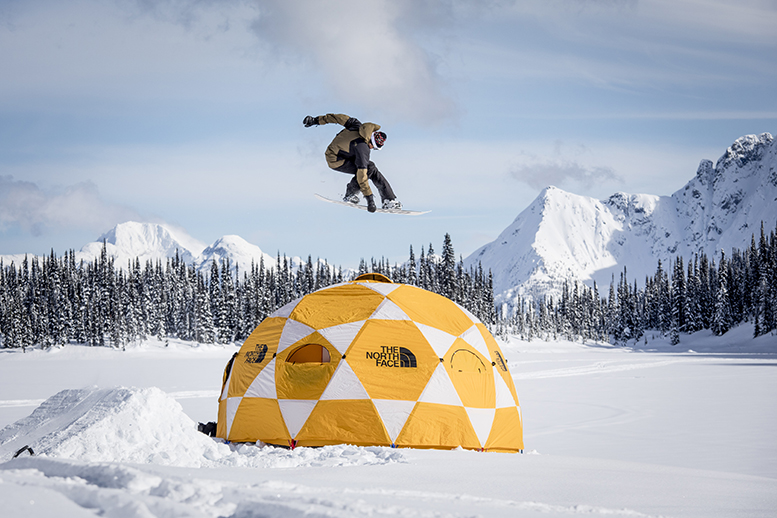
332,118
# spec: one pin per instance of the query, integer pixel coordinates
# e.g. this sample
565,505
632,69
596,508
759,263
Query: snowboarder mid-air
349,153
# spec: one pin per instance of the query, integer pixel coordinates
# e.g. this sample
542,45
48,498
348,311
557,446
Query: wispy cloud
565,166
563,173
39,211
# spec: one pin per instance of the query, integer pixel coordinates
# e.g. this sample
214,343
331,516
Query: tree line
53,301
685,297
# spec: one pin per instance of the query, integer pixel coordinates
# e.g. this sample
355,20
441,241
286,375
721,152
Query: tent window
310,353
463,360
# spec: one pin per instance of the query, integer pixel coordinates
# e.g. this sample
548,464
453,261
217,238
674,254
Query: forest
53,301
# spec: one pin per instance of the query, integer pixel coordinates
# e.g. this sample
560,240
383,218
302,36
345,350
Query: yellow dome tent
371,363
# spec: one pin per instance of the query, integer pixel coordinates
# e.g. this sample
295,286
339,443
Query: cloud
364,51
37,211
563,172
563,168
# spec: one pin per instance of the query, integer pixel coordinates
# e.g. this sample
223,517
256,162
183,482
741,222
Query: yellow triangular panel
438,426
431,309
221,424
326,307
392,359
259,418
506,432
354,421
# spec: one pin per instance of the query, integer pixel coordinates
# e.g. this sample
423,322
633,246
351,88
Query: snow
645,430
564,236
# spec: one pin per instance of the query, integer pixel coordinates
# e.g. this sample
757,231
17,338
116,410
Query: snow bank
148,426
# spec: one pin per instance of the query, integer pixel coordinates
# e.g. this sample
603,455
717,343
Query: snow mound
148,426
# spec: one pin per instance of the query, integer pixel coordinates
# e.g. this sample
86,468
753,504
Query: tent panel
431,309
259,419
440,389
337,305
389,311
344,421
506,432
383,288
482,420
302,380
221,421
292,333
497,357
471,374
439,340
438,426
255,354
264,383
392,359
394,414
341,336
295,413
344,384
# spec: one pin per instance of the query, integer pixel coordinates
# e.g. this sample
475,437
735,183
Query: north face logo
258,355
393,356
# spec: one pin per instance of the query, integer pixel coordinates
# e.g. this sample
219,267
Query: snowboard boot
351,198
371,203
394,204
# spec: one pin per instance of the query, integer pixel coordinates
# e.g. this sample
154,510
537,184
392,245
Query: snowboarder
349,152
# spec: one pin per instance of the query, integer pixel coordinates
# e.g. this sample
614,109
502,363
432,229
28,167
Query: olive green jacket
350,144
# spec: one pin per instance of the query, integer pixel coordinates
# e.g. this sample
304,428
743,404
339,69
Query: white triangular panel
384,288
394,414
295,412
475,320
264,383
440,389
504,398
473,337
293,331
439,340
232,404
342,336
482,420
344,384
285,311
389,311
226,385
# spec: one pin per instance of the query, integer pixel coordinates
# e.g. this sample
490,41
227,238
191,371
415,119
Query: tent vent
373,277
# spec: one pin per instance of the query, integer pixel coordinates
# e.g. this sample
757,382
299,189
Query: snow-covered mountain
566,236
153,241
240,253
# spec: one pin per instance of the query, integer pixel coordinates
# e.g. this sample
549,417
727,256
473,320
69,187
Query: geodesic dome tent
371,363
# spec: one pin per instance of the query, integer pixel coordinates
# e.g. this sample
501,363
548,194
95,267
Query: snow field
650,430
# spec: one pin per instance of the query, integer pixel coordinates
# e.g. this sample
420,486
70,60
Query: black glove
309,121
352,124
371,203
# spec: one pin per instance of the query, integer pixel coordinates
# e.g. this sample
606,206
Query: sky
189,112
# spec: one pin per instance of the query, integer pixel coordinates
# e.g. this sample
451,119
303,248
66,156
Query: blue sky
189,112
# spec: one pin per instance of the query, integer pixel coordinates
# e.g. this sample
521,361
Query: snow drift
147,426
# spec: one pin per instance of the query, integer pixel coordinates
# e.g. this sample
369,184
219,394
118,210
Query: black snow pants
375,176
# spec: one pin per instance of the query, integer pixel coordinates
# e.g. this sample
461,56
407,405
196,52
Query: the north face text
393,356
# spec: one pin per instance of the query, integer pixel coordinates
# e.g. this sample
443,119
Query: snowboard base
364,207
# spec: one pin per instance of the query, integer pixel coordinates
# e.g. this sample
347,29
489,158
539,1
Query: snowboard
364,207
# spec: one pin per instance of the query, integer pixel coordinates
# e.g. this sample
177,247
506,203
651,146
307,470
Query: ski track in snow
600,367
130,491
184,394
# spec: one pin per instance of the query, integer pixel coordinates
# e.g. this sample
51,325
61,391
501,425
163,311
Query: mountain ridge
563,236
